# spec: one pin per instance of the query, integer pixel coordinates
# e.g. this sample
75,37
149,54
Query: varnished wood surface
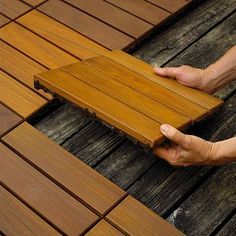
136,219
61,35
18,219
50,201
18,97
8,119
71,173
34,2
3,20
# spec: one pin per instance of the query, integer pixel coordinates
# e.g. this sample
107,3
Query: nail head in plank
62,36
20,66
42,195
86,25
113,16
103,228
18,219
18,97
73,174
8,119
35,47
105,107
136,219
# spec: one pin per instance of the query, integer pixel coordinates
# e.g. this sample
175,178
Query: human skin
186,150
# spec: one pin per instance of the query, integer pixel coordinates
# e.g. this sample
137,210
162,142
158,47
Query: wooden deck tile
69,172
136,219
18,219
35,47
13,8
86,24
103,228
34,2
8,119
3,20
142,9
62,36
20,66
18,97
42,195
113,16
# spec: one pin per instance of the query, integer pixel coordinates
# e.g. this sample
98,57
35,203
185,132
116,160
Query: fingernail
164,128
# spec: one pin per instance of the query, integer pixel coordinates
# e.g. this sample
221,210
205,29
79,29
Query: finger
168,71
162,152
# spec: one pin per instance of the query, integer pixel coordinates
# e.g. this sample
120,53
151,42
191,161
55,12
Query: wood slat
17,219
20,66
3,20
113,16
61,35
69,172
169,5
13,8
205,100
35,47
105,107
104,229
18,97
34,2
8,119
131,97
148,87
135,219
45,197
86,25
142,9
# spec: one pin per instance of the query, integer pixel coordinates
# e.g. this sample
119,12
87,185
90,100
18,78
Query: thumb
168,71
173,134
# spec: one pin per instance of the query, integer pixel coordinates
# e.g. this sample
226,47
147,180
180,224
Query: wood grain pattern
62,36
17,219
140,67
71,173
8,119
113,16
45,197
103,228
148,88
20,66
142,9
3,20
34,2
35,47
13,8
20,98
135,219
105,107
131,97
86,25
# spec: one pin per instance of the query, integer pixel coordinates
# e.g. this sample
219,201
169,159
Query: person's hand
202,79
186,150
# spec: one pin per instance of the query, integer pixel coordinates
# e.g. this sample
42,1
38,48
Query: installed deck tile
3,20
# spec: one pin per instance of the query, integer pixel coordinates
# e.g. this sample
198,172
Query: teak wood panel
3,20
205,100
105,107
148,88
136,219
18,97
86,24
20,66
71,173
62,36
35,47
132,98
18,219
113,16
41,194
13,8
103,228
142,9
8,119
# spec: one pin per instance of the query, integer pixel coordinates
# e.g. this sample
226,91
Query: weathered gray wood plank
229,229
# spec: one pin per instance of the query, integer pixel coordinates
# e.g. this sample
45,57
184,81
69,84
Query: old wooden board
75,177
18,219
134,218
61,210
125,91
